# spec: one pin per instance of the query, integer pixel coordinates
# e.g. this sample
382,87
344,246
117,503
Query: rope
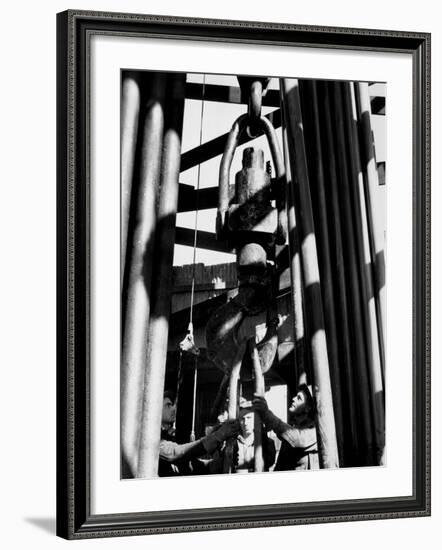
195,237
195,380
179,378
188,343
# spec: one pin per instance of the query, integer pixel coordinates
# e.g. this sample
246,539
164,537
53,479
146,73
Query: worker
174,458
245,448
299,448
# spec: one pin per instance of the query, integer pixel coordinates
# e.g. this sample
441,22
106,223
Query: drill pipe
138,303
155,368
130,110
328,450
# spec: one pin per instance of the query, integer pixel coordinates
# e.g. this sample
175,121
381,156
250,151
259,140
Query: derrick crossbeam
190,198
205,239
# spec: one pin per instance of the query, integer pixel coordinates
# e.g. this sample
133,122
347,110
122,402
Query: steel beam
189,198
205,239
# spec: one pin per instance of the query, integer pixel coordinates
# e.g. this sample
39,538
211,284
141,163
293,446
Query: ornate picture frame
76,518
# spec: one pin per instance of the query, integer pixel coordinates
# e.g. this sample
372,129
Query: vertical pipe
351,440
365,271
362,388
154,375
232,409
137,309
295,270
371,190
259,390
220,396
313,308
312,132
130,110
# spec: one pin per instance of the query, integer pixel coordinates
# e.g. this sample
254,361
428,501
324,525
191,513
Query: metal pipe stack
149,265
313,138
314,314
137,296
339,281
329,154
155,368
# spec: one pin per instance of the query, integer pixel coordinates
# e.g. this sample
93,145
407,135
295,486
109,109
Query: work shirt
174,458
299,449
246,453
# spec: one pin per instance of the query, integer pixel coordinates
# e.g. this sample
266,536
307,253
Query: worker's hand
229,428
259,404
213,441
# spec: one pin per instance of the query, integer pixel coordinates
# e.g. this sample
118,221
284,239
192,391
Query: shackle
233,138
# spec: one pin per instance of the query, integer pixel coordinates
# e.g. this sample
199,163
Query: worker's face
169,411
246,422
299,403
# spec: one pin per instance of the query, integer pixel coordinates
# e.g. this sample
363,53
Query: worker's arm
172,452
301,438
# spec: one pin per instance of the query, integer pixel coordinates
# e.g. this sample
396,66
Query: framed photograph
243,274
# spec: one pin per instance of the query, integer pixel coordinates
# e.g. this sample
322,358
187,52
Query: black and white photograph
221,258
253,289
